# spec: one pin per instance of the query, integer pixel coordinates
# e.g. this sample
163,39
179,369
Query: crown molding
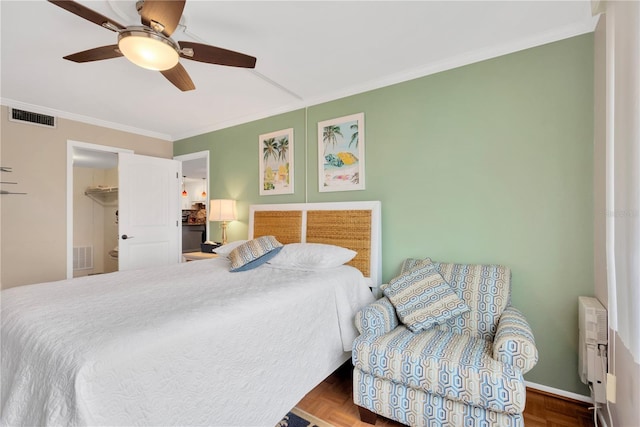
83,119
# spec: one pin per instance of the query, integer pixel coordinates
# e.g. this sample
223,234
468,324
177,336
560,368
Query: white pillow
312,256
225,250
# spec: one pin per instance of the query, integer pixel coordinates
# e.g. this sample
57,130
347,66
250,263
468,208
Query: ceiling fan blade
216,55
179,77
96,54
165,12
88,14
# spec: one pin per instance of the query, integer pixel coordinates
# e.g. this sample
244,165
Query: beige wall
33,227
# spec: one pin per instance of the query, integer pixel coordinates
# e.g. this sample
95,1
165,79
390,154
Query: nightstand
195,256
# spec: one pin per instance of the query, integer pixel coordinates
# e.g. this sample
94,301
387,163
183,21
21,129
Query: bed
193,343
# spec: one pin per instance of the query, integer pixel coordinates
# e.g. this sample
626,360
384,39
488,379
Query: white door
148,211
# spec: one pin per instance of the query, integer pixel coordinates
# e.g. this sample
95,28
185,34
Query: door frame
71,144
197,156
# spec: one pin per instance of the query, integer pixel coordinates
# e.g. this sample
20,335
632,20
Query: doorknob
125,237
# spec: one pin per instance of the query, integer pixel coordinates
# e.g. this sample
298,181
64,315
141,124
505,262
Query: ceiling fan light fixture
148,49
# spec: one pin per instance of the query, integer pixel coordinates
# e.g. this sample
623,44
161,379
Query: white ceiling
308,52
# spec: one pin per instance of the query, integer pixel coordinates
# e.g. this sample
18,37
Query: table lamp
223,210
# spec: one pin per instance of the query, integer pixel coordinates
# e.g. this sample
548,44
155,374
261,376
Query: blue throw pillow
422,298
254,253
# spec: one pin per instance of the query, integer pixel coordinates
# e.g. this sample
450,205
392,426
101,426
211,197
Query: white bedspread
189,344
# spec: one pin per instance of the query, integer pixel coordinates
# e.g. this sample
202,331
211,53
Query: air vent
83,258
32,118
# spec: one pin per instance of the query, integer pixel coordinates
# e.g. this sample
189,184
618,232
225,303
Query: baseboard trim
560,393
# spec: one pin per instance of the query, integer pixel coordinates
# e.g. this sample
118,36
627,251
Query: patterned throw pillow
422,298
254,253
410,263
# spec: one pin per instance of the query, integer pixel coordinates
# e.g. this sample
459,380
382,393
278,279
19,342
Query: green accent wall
487,163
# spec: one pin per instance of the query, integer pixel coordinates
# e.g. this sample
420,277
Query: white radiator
592,352
83,258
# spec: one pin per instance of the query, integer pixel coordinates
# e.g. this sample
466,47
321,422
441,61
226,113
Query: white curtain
623,171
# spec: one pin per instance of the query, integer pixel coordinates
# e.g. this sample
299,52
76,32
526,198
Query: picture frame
276,162
341,147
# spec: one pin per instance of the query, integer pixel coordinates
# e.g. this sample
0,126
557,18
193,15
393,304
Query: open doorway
92,207
194,200
147,206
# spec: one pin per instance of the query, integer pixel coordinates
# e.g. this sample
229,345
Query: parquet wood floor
332,401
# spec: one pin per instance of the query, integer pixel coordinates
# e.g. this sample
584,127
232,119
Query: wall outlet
611,388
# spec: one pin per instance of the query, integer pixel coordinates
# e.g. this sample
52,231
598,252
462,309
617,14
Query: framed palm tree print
276,162
341,153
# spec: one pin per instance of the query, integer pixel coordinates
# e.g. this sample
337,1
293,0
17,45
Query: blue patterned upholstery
514,343
466,371
421,409
458,367
484,288
422,298
377,318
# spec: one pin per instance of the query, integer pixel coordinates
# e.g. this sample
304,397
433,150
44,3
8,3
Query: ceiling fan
150,45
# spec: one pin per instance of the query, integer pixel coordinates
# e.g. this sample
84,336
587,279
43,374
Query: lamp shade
148,49
223,210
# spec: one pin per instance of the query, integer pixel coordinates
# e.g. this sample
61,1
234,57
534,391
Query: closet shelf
105,196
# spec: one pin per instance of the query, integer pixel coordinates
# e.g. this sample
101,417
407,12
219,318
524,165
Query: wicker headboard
352,225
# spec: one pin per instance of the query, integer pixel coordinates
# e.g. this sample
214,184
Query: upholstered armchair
443,347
